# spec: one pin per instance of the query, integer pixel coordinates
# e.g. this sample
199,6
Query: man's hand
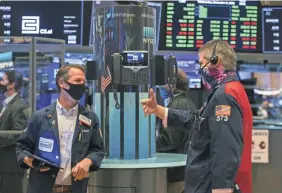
28,161
44,169
222,191
80,171
149,105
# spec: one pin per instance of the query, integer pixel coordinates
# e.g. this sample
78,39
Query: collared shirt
6,102
66,123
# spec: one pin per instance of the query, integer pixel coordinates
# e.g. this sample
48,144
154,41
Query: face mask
3,89
213,77
76,91
208,80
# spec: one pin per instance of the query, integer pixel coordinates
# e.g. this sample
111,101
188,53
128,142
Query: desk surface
162,160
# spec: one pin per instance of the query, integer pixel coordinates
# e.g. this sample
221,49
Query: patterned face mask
213,77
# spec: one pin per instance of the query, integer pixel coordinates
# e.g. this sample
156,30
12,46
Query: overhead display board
56,19
271,29
187,26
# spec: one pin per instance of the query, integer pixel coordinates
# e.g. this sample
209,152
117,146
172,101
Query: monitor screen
58,20
135,59
191,68
263,84
271,29
6,60
187,26
78,58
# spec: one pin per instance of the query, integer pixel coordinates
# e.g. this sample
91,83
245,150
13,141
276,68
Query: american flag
106,79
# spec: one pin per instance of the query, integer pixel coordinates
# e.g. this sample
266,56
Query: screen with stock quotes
58,20
271,27
187,26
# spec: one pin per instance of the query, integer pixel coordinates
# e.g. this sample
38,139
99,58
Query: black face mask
76,91
3,89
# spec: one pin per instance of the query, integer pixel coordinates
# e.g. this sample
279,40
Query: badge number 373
221,118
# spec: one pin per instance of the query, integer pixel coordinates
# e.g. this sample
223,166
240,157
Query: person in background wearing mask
12,117
219,152
173,140
64,131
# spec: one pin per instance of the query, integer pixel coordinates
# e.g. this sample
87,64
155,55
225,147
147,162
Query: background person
13,116
173,140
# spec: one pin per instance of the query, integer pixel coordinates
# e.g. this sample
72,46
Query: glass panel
263,84
49,58
15,87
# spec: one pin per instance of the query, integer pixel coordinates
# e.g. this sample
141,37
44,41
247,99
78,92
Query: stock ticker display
271,29
187,26
58,20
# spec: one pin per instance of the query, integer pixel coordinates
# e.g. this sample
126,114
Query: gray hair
223,50
63,72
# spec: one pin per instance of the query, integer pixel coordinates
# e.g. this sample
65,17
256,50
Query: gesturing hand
80,171
149,105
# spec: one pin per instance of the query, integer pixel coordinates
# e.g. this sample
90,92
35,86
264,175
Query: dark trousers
12,183
12,178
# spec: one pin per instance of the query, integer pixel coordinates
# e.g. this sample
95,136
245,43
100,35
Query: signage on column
260,146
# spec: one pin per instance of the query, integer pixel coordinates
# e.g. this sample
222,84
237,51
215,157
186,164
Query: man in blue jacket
65,134
220,144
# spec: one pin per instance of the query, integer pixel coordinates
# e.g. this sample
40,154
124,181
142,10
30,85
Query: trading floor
140,96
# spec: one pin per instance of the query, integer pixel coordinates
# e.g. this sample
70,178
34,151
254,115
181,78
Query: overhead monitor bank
34,18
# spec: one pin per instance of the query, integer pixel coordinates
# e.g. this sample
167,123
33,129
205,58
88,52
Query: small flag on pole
106,79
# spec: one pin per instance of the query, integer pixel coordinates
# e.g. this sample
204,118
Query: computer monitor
78,58
57,20
191,68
